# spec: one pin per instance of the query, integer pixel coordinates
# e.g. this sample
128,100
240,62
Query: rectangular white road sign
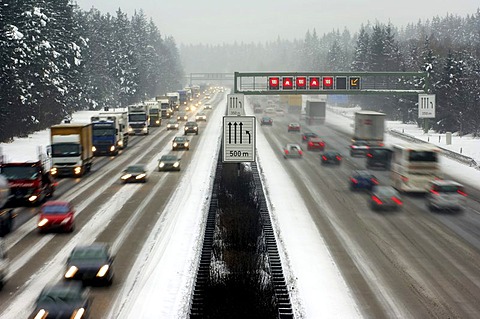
426,106
235,104
239,139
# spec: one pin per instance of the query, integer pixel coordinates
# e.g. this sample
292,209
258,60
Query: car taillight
300,152
286,151
338,158
310,143
353,180
462,193
353,146
404,179
374,180
322,144
397,200
381,144
324,157
377,200
369,155
434,192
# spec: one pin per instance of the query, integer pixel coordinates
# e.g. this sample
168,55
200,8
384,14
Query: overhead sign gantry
277,83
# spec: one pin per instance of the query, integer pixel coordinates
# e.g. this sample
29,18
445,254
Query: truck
138,119
30,182
183,98
71,149
6,211
315,112
174,99
154,116
109,133
294,104
166,109
369,127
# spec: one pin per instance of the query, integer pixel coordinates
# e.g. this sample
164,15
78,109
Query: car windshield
88,254
385,191
66,295
20,172
179,139
172,122
168,158
448,188
55,209
422,156
135,169
65,149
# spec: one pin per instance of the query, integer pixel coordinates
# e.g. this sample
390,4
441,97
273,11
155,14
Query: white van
446,194
4,263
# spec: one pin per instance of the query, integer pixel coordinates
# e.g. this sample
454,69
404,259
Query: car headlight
94,149
112,148
186,144
77,170
175,144
71,272
78,314
157,121
43,222
162,164
176,164
53,171
140,176
103,270
41,314
145,129
32,198
126,176
130,129
176,125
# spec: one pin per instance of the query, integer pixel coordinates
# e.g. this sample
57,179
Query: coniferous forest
56,59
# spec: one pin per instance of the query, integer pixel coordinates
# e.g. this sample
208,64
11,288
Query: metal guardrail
450,154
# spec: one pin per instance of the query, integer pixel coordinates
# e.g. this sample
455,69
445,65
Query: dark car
91,263
266,120
308,135
293,127
362,179
359,148
180,143
169,163
331,157
56,215
292,151
190,127
134,174
385,197
63,300
379,157
315,144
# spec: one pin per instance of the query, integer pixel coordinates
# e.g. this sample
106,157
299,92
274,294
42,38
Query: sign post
235,104
238,139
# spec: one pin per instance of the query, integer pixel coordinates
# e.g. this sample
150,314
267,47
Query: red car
315,144
56,215
294,127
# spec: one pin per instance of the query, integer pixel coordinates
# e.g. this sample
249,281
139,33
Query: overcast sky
224,21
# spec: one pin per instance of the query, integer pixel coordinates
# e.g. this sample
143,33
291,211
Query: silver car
446,194
292,151
385,197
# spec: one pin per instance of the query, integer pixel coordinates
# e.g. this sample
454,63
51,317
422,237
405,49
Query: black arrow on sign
229,132
249,137
235,132
241,126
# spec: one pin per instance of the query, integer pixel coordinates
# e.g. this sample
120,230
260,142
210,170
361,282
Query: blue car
362,179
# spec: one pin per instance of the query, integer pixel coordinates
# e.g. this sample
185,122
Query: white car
207,106
201,117
446,194
292,151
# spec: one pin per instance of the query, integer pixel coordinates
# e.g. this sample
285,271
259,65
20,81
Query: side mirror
49,150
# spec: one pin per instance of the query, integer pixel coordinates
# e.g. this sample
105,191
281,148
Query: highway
411,263
407,264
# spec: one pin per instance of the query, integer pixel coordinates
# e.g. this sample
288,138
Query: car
292,151
385,198
359,147
169,162
445,194
331,157
315,144
266,120
379,157
180,143
308,135
201,116
294,127
90,264
134,174
63,300
190,127
362,179
172,125
56,215
280,112
182,116
207,106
